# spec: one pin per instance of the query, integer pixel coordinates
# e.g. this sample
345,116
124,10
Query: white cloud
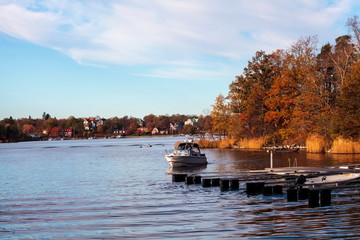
166,32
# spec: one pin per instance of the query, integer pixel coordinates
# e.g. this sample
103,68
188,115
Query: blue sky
135,57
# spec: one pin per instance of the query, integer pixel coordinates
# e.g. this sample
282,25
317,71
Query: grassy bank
227,143
318,144
341,145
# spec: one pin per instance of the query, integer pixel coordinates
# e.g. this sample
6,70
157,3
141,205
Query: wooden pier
295,181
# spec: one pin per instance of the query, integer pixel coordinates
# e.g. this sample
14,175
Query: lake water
119,189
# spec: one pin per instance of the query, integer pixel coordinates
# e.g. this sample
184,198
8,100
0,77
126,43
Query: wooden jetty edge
314,184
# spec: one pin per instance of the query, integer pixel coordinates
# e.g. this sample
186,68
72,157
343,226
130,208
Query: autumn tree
294,101
346,120
220,115
249,92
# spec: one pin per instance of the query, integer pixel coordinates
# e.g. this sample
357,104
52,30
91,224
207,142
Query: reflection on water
187,169
119,188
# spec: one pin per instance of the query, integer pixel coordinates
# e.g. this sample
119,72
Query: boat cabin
188,146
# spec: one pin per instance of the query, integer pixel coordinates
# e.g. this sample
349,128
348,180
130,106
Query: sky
134,57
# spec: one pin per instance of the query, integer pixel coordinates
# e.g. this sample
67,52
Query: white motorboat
186,154
333,178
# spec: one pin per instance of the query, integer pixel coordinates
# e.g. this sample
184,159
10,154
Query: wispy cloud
168,33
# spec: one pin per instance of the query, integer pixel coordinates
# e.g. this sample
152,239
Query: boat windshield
188,146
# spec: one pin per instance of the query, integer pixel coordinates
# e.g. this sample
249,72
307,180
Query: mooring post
268,190
271,159
197,179
234,184
224,184
215,182
303,193
278,189
292,194
325,197
253,188
313,198
179,177
189,180
206,182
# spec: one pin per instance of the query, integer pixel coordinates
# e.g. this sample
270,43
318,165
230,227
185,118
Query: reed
341,145
207,143
250,143
315,144
226,143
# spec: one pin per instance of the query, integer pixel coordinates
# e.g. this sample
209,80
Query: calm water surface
119,188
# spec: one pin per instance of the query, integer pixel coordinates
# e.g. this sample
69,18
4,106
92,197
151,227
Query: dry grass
228,143
207,143
251,143
341,145
315,144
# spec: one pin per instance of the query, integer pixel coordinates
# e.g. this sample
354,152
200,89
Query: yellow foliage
315,144
341,145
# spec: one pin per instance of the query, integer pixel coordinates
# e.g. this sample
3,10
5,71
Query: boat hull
184,161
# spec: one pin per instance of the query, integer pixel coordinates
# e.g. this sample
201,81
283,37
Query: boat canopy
188,145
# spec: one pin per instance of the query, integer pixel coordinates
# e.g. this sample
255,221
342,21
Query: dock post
197,179
303,193
206,182
189,180
215,182
278,189
224,184
325,197
253,188
234,184
271,159
292,194
268,190
313,198
179,177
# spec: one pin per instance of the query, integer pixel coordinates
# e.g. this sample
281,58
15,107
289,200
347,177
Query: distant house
155,131
142,130
66,132
191,121
174,127
93,122
121,132
34,135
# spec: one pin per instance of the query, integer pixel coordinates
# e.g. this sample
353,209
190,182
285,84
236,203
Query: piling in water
189,180
278,189
234,184
179,177
325,197
215,182
197,179
253,188
292,194
206,182
303,193
224,184
313,198
268,190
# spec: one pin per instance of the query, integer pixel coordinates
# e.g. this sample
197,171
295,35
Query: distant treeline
289,95
24,129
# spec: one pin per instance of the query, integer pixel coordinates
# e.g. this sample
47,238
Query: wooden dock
272,181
